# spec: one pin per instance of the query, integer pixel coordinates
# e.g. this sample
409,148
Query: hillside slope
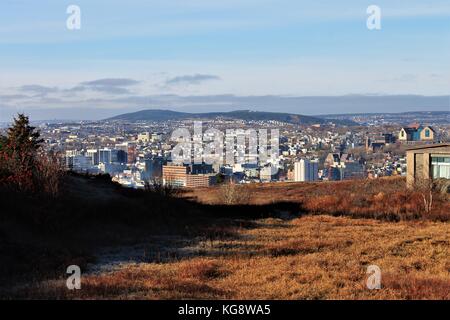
164,115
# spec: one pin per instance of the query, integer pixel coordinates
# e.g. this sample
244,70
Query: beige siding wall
402,135
424,137
410,165
426,166
418,167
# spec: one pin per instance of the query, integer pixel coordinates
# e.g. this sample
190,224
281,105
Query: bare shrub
48,174
157,186
442,186
413,287
43,175
232,194
425,188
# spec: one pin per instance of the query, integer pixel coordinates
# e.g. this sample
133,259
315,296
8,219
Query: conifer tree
22,137
19,154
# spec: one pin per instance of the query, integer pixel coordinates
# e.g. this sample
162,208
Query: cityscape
224,159
136,153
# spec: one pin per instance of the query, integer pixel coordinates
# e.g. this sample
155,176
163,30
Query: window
427,133
440,167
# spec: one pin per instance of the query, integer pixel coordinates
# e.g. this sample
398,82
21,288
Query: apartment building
181,176
306,170
175,175
200,180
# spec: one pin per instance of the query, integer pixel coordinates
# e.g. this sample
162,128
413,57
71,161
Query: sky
209,55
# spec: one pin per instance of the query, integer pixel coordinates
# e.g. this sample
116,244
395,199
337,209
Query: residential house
417,133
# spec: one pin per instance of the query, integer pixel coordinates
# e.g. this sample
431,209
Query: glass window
427,133
438,160
440,167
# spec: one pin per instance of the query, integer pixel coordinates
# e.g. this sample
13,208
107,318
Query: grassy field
287,241
313,257
385,198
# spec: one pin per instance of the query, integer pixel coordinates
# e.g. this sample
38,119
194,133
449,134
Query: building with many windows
306,170
175,175
200,180
182,176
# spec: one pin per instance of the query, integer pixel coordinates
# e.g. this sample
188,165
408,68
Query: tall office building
306,170
175,175
93,155
119,156
104,156
180,176
108,156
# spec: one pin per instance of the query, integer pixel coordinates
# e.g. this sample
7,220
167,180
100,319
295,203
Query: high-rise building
175,175
180,176
104,156
93,155
306,170
109,156
119,156
200,180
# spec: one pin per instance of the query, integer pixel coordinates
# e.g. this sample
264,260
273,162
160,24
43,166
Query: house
427,162
417,133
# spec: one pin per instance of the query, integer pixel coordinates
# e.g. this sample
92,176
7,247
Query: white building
266,173
306,170
144,137
93,155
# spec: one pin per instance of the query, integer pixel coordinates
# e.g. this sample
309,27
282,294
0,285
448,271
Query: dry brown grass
384,198
314,257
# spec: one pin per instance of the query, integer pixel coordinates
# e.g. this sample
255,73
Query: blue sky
212,48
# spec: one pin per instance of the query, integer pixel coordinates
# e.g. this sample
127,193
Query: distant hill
248,115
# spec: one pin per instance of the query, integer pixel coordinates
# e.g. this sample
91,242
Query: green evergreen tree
22,137
22,166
